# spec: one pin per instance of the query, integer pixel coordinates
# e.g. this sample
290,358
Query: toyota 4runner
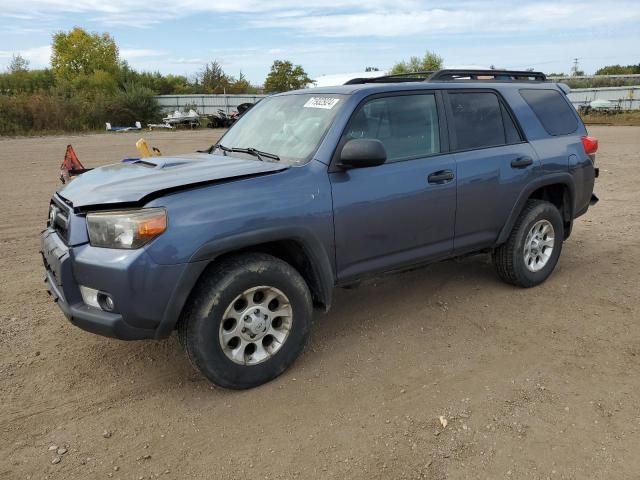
235,247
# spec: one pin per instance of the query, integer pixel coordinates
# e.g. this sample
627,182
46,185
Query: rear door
404,210
494,164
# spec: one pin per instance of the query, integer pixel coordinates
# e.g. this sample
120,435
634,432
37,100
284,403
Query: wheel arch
558,189
296,246
303,252
294,252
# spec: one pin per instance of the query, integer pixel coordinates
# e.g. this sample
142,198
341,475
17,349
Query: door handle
440,177
522,162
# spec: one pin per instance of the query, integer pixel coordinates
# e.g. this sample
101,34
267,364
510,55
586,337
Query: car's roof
372,88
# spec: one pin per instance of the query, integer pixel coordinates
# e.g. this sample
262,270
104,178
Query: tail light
590,145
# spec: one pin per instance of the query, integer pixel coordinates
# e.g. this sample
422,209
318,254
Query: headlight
127,228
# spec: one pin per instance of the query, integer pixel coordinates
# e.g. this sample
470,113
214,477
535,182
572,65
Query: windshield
289,126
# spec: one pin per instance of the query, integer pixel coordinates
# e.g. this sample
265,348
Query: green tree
241,85
619,70
285,76
78,52
134,103
428,63
18,64
213,78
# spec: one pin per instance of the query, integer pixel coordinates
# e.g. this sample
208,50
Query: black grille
59,217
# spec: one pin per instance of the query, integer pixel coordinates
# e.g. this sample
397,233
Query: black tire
199,326
509,259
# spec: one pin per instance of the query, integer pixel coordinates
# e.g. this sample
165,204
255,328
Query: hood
132,182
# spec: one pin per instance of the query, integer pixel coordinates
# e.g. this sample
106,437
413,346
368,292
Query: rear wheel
247,321
532,250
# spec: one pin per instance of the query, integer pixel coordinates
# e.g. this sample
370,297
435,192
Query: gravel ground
539,383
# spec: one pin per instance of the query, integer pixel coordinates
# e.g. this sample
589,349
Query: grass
618,119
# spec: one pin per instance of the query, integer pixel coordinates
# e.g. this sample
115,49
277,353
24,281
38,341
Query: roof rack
451,75
490,75
398,77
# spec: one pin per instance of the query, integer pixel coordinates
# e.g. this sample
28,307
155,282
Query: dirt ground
538,384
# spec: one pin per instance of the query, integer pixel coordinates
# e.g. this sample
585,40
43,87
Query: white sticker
325,103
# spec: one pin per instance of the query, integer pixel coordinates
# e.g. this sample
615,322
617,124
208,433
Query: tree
429,63
372,69
619,70
285,76
18,64
134,103
76,53
241,85
213,79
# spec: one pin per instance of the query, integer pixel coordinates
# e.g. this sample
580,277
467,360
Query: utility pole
575,68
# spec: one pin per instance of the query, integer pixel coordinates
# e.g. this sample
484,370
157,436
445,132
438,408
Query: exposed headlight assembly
127,228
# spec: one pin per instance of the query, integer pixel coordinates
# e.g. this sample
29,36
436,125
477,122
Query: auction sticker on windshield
326,103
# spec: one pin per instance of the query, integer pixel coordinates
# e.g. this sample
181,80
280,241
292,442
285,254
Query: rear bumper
592,201
148,296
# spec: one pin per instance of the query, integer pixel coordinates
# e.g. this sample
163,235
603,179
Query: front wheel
532,250
247,321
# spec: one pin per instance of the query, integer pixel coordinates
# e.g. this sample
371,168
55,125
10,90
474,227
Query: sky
333,36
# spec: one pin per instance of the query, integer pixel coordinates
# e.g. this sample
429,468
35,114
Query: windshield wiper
251,151
256,153
215,147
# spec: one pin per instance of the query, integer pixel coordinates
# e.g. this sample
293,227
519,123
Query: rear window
553,111
480,120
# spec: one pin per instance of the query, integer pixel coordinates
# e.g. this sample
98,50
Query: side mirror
362,152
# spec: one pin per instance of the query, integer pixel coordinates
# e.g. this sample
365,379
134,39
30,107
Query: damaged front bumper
64,290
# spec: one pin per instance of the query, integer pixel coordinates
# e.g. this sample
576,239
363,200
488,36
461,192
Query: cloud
332,35
187,61
488,19
37,56
129,53
348,18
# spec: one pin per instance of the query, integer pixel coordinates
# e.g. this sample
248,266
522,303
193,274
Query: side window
553,111
510,129
480,120
407,125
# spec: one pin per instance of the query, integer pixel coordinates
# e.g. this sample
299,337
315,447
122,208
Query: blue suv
235,247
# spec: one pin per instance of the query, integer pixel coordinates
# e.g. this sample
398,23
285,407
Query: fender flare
321,265
313,248
563,178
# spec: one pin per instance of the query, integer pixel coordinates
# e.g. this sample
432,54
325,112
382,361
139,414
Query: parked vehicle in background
244,107
224,120
220,120
177,118
313,189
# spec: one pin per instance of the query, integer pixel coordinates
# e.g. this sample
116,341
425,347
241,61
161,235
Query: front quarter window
289,126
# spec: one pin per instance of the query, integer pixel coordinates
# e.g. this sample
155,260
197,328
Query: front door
403,211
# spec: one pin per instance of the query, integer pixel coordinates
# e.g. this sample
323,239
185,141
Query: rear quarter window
552,109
